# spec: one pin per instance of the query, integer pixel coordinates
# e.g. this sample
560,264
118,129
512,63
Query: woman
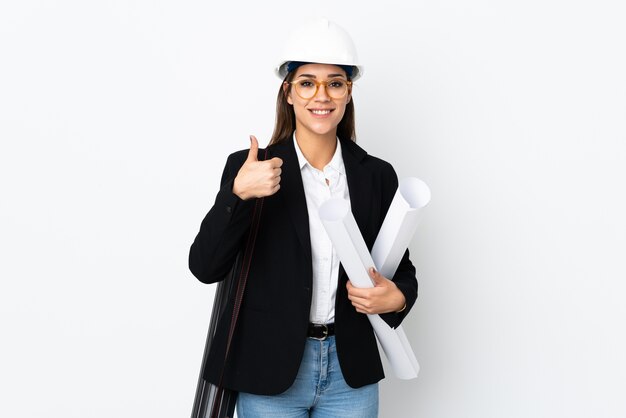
303,345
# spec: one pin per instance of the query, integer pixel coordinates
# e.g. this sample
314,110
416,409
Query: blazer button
229,209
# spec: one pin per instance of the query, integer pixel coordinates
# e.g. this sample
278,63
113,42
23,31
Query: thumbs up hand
257,178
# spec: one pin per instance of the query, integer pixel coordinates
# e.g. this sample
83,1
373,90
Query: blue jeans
319,391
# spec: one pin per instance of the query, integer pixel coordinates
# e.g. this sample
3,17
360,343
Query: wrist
238,192
401,300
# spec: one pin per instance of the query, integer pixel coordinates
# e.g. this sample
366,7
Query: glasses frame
322,83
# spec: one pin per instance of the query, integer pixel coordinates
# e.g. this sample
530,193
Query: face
320,114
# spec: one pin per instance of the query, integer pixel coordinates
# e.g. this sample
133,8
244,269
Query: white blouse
324,257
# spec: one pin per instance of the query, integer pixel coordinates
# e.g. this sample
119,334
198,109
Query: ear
287,92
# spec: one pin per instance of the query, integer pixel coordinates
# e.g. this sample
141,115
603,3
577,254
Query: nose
321,94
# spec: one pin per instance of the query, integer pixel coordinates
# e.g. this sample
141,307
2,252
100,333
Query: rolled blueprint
344,233
399,225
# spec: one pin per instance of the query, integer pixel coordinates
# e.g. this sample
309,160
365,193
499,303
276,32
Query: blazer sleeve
404,277
219,240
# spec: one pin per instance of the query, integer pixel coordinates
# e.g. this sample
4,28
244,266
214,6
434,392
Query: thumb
376,276
254,149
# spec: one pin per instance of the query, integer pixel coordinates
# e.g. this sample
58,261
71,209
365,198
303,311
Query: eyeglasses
307,88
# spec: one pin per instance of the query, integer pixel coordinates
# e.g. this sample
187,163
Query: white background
115,121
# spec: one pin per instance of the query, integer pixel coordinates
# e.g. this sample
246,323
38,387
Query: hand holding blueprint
391,243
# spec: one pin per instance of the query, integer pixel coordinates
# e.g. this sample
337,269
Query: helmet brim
282,70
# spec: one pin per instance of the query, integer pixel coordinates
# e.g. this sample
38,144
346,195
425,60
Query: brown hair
286,119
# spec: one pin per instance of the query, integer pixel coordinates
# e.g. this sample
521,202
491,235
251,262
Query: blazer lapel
359,186
292,192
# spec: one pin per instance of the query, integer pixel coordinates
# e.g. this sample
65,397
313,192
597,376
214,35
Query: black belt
321,331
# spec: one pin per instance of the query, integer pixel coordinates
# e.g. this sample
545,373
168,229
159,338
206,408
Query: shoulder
237,157
368,161
380,164
233,163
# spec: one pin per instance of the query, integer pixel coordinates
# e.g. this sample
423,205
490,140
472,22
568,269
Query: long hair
285,123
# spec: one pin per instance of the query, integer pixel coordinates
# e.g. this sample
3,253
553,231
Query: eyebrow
329,75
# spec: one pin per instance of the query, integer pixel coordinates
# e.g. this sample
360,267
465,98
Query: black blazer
269,340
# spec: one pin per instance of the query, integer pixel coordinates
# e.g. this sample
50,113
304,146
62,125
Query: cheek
299,110
341,110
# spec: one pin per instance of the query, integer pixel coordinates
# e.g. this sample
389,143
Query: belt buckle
325,331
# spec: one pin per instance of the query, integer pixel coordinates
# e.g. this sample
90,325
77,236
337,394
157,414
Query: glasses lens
305,88
337,88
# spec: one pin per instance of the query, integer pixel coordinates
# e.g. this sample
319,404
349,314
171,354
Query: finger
355,291
276,162
378,278
275,181
359,292
254,149
362,308
359,309
350,287
367,293
372,272
360,301
274,189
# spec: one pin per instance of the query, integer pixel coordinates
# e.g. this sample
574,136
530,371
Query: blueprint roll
344,233
399,225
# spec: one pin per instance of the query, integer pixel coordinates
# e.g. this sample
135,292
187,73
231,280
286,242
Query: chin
324,129
324,132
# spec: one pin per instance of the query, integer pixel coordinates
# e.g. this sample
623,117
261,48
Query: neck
317,149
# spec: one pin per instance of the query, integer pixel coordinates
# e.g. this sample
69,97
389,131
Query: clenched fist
257,178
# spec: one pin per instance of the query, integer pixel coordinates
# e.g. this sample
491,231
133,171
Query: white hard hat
323,42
